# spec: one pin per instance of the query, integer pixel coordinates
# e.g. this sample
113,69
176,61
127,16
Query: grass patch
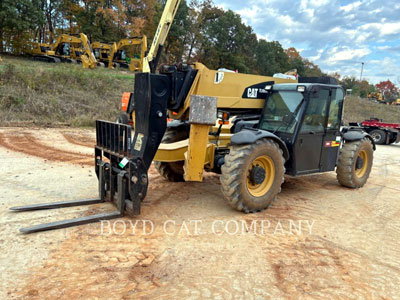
357,109
50,94
46,93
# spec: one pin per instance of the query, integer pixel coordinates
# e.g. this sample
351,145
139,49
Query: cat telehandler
250,129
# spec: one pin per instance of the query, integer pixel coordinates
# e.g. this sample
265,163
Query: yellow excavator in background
251,129
102,52
43,52
74,48
396,102
378,96
128,53
66,48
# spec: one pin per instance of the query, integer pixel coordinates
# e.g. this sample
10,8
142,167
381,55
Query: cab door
332,140
308,145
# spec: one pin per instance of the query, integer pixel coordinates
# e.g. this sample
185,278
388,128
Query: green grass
53,94
44,93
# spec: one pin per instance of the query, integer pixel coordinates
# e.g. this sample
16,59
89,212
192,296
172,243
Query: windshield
281,112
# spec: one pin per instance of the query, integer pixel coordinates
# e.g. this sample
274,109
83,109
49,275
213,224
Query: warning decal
331,144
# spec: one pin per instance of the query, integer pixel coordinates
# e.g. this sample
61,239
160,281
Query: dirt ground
317,241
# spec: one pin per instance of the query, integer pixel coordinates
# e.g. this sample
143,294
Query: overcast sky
336,35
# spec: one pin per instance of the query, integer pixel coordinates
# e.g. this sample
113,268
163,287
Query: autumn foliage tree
201,31
390,91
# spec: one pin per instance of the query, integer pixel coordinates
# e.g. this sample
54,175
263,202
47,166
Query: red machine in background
383,133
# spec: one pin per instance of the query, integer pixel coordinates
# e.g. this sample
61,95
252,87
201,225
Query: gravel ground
317,241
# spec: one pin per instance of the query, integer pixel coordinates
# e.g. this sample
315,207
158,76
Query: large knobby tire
252,175
379,136
172,171
355,163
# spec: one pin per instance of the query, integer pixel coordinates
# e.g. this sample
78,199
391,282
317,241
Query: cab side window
314,119
335,108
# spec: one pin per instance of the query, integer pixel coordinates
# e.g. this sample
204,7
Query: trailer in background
382,133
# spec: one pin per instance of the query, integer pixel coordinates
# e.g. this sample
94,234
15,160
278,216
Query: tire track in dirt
26,143
79,140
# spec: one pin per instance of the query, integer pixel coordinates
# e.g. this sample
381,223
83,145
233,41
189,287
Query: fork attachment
122,157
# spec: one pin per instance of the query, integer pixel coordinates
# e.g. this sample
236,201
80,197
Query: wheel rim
260,189
376,136
360,171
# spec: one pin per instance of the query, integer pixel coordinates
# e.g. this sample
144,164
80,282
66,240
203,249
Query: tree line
201,32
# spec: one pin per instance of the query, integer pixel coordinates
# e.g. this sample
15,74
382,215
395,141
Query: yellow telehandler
250,129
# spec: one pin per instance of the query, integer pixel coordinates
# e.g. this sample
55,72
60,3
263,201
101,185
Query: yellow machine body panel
228,87
102,51
376,95
78,49
72,41
41,49
134,47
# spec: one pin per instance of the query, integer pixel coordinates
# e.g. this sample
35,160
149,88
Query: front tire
252,175
355,163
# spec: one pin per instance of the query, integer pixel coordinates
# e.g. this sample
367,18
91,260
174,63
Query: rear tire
252,175
379,136
355,163
172,171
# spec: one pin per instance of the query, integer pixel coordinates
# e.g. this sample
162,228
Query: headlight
301,88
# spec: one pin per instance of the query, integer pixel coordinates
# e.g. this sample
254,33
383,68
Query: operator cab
307,118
